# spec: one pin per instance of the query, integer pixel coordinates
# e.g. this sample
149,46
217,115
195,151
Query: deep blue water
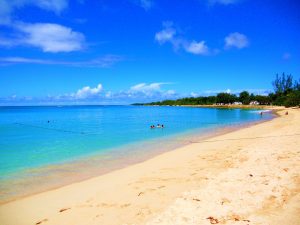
28,140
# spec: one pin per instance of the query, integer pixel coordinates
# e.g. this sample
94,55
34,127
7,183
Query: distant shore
251,174
236,106
268,107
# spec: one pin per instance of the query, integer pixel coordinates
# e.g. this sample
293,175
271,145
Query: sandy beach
248,176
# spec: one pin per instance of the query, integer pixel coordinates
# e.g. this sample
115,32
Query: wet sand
249,176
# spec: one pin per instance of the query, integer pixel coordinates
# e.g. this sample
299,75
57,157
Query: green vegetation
245,97
286,93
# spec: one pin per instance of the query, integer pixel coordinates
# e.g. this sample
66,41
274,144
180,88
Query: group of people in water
158,126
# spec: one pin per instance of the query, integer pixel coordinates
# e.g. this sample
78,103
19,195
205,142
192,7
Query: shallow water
82,141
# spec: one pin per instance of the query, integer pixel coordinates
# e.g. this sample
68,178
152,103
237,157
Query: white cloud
236,40
108,94
197,48
169,35
144,90
105,61
50,37
165,35
146,4
16,60
214,92
143,87
7,7
87,92
102,62
194,94
170,93
52,5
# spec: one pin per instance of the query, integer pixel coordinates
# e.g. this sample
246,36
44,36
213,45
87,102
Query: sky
127,51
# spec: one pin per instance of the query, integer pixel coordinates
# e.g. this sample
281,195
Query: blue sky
125,51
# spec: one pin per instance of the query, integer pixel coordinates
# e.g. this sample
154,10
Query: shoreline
170,143
268,107
148,188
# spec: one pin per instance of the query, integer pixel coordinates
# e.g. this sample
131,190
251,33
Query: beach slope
248,176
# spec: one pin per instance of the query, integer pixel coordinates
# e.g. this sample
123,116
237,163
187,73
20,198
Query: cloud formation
7,7
150,90
142,92
197,48
236,40
102,62
49,37
87,92
165,35
169,35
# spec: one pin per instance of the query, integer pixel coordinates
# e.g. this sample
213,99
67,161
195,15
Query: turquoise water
29,141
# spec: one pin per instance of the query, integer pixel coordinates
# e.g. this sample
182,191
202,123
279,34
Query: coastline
267,107
150,187
51,177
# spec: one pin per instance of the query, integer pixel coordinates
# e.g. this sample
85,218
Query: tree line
286,93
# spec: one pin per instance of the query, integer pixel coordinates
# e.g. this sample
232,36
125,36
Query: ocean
44,147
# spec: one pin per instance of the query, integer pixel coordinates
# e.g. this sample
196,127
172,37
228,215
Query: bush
226,98
292,99
280,100
244,97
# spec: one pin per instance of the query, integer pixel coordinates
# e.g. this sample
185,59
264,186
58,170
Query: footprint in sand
64,209
40,222
125,205
107,205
